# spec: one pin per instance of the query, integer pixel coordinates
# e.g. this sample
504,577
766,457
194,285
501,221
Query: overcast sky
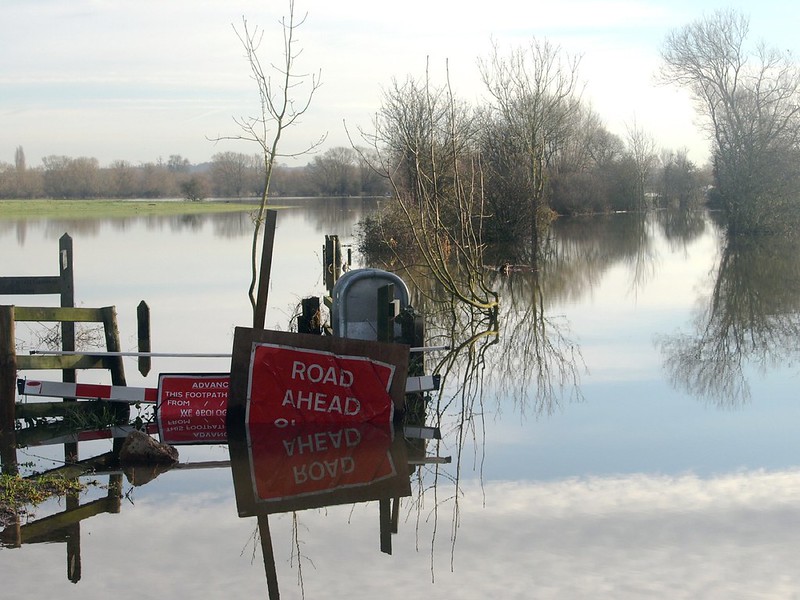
143,79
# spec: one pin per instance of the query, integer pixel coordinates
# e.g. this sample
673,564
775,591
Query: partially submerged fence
67,315
63,526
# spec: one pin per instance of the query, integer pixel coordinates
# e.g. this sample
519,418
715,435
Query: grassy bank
87,209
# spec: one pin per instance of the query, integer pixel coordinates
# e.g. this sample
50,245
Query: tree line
339,171
468,176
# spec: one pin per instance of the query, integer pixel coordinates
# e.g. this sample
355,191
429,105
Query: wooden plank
54,313
60,362
421,432
96,464
30,285
33,410
49,528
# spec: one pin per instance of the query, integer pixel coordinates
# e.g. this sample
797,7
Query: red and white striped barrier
87,391
134,395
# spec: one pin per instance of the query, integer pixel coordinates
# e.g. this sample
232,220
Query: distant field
77,209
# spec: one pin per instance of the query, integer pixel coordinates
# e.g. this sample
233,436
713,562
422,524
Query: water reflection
539,358
522,352
681,227
540,539
295,469
274,471
535,539
324,215
585,248
283,470
518,355
750,319
541,499
524,356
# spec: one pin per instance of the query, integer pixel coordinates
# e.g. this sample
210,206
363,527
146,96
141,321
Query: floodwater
631,432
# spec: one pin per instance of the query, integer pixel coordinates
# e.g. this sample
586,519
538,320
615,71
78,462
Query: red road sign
296,386
192,408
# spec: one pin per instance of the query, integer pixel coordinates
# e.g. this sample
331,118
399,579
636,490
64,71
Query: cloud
147,48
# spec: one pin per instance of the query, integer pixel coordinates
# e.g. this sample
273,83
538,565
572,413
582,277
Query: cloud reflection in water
729,536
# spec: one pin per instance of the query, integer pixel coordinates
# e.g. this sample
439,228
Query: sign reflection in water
624,468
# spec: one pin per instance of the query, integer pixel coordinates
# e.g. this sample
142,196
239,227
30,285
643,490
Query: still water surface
651,451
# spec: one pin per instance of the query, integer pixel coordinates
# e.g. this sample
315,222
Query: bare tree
751,102
284,97
437,183
231,173
422,129
680,182
371,182
335,171
642,149
156,181
194,187
535,98
120,180
178,164
66,177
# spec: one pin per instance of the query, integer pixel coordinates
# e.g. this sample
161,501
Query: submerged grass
17,493
83,209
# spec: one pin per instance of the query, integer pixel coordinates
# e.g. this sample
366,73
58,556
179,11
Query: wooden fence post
114,363
8,390
67,283
260,312
332,261
8,368
111,331
73,534
143,327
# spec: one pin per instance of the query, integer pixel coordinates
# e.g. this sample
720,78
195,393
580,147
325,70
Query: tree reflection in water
587,247
516,354
750,320
681,227
523,355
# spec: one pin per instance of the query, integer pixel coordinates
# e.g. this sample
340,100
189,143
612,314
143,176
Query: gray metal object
354,305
